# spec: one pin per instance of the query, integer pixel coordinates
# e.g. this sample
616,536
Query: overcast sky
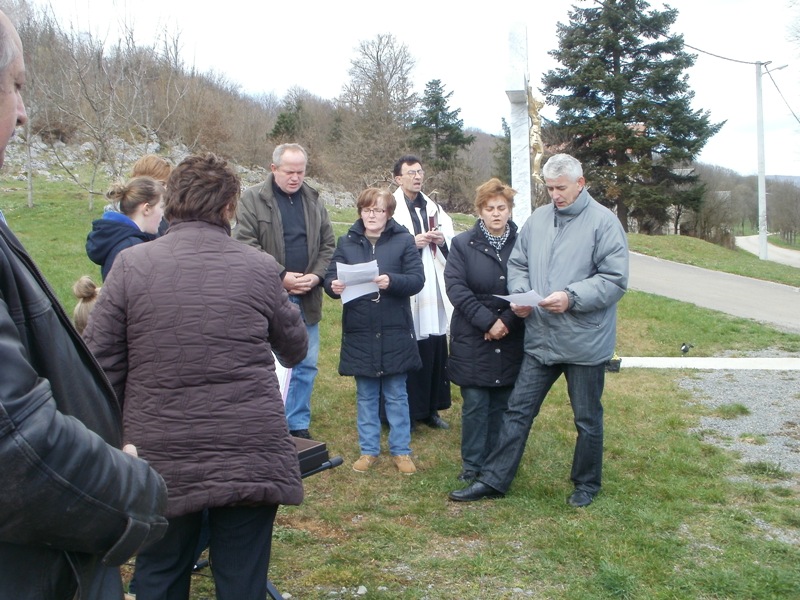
267,46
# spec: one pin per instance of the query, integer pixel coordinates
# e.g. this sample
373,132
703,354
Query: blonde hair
86,291
152,165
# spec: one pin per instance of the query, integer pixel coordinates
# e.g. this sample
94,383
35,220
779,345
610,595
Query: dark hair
370,196
408,159
128,196
202,188
490,189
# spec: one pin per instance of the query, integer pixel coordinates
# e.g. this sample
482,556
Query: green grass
693,251
672,521
731,411
779,241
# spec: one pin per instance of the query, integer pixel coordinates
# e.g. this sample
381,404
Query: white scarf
431,308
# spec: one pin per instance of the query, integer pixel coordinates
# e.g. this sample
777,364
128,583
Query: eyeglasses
415,172
372,211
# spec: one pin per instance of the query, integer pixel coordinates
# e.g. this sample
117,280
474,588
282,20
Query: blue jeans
241,541
481,418
301,384
585,389
368,397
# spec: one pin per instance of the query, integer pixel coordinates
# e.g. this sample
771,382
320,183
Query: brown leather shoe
363,464
404,464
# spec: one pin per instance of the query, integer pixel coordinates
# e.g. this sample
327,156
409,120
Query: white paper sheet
358,279
531,298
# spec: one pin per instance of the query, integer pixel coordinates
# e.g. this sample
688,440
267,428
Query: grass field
677,518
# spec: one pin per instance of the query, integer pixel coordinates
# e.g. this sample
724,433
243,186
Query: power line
744,62
782,96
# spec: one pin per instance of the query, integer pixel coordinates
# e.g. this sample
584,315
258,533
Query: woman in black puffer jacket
378,342
485,336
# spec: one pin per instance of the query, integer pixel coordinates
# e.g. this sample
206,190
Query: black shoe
580,498
477,490
301,433
467,475
436,422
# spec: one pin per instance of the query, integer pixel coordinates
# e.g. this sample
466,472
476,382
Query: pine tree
437,132
623,95
501,154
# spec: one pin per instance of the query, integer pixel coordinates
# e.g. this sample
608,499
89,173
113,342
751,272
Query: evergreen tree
623,94
501,154
437,133
288,124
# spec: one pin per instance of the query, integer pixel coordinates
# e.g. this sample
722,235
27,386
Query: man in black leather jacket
72,505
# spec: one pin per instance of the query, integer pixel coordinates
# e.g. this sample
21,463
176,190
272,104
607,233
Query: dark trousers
481,419
585,389
241,540
429,388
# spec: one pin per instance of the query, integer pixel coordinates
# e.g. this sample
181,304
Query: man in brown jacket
284,217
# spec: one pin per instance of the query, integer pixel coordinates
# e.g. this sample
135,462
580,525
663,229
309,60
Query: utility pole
762,187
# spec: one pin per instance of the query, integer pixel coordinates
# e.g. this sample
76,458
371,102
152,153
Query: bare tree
381,103
784,210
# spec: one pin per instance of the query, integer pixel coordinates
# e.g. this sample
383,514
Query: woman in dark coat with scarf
378,342
185,329
485,336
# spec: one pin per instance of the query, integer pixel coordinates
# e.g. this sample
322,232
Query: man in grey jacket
73,505
284,217
573,252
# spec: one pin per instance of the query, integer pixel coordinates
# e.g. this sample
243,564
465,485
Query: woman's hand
337,287
497,332
382,281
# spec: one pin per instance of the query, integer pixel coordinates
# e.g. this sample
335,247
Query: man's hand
130,449
521,311
430,237
298,284
382,281
557,302
421,240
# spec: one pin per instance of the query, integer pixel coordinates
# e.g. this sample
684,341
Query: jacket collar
577,207
391,228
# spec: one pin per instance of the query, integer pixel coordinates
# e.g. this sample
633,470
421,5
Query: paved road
785,256
771,303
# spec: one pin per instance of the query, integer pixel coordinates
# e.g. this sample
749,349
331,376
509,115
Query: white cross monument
525,125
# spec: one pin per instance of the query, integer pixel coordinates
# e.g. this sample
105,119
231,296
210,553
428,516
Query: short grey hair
562,164
8,48
283,148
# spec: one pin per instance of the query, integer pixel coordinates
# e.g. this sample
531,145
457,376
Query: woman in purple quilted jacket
185,329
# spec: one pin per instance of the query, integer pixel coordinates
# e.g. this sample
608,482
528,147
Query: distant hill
793,179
